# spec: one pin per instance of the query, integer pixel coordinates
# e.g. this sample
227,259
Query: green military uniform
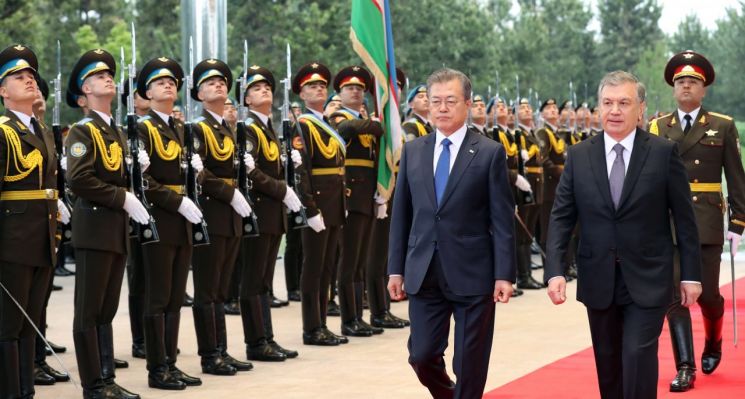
28,221
709,146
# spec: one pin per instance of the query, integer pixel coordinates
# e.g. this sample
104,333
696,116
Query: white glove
248,159
316,223
523,184
63,162
63,212
240,204
524,155
143,159
381,211
190,211
134,208
196,163
291,200
297,160
734,240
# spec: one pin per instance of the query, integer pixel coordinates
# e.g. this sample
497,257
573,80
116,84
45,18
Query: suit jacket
712,145
27,227
637,235
99,220
473,227
163,176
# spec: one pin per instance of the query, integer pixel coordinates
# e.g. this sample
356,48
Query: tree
627,29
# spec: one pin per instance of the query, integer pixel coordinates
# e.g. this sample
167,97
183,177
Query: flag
372,40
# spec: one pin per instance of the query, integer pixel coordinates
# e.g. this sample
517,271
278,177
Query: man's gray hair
447,75
617,78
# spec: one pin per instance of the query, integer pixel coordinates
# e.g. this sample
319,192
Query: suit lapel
697,132
465,155
638,157
26,134
600,168
674,131
163,126
427,170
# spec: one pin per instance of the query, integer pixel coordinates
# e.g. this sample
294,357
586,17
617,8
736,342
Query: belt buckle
49,193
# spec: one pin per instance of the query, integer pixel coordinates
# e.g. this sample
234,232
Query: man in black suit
624,187
452,241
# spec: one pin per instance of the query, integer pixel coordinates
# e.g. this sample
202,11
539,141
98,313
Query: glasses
449,102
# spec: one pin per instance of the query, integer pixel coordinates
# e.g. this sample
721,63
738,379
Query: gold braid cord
327,150
420,127
366,140
270,150
111,158
168,153
532,150
574,140
220,153
558,146
28,162
511,149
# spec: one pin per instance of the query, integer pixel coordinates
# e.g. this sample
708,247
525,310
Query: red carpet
574,376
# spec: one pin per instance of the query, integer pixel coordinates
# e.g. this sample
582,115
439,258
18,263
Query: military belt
706,187
230,181
22,195
328,171
365,163
176,189
534,169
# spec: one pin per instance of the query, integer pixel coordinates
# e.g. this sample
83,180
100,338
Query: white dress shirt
263,118
610,154
217,117
106,117
681,117
25,119
165,117
456,139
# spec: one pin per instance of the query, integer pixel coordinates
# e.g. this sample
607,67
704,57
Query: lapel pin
471,151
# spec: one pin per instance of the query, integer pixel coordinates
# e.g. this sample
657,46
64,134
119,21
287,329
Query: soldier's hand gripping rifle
199,235
147,233
250,223
526,196
57,132
298,219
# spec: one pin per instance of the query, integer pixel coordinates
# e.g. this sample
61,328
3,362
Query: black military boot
136,309
257,347
681,335
712,354
173,321
266,313
524,278
349,324
26,366
204,324
106,352
359,293
221,334
158,375
89,364
10,379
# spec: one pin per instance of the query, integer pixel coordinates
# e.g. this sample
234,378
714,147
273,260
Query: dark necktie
225,125
442,171
617,174
687,128
37,129
171,124
112,124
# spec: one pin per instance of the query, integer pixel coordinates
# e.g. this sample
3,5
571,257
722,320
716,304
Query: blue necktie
442,171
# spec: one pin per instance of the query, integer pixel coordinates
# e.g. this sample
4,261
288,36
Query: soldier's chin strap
46,343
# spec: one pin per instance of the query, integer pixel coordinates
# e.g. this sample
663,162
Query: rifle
527,197
147,233
295,220
57,131
250,223
199,233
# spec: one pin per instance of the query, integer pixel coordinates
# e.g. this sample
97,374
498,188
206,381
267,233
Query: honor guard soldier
272,198
709,145
418,124
478,115
166,262
361,136
223,206
532,155
28,219
332,104
323,197
97,175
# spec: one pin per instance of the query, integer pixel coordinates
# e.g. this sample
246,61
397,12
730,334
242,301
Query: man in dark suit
452,241
623,187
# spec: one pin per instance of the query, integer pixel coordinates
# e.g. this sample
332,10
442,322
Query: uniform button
697,162
94,208
50,217
438,218
318,193
695,180
695,198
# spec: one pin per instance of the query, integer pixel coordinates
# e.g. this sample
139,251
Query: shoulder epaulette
143,118
727,117
198,119
4,119
249,121
83,121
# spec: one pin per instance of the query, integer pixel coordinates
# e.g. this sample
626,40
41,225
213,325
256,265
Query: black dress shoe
355,329
237,364
342,339
217,366
333,309
162,379
386,320
188,300
42,378
57,375
185,378
375,330
293,296
62,271
56,348
684,380
138,351
120,364
406,322
232,308
320,338
113,390
56,287
264,352
517,292
277,303
528,283
291,354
